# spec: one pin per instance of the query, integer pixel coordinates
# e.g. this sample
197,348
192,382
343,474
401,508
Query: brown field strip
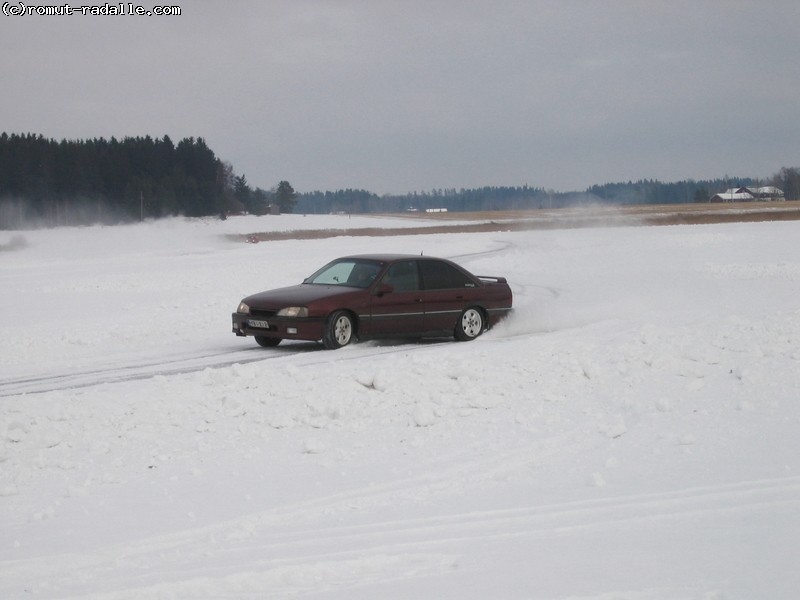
568,218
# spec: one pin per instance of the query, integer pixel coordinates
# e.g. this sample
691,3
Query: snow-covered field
632,432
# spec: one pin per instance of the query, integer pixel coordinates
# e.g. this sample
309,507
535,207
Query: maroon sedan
376,295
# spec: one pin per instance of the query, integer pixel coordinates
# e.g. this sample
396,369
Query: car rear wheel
470,325
267,342
338,331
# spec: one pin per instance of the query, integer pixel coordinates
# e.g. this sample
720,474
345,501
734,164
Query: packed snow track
631,432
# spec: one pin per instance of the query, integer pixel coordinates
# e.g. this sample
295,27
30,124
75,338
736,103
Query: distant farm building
750,194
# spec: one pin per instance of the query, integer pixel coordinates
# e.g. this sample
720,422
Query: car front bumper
285,328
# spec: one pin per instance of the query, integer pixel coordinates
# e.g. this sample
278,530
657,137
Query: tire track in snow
582,513
189,363
528,520
503,246
35,384
273,552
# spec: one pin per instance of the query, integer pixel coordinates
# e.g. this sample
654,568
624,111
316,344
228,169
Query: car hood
296,295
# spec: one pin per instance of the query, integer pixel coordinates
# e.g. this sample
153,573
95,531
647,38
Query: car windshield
348,272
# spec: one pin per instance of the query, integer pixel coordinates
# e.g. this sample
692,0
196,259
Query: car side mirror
385,288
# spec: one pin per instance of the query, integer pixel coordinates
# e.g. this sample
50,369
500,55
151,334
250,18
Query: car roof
388,257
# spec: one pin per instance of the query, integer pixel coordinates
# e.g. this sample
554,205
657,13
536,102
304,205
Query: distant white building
769,192
749,194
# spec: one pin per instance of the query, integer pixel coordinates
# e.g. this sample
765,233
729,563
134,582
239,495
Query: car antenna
420,253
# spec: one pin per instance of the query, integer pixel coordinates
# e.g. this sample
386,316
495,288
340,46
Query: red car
376,295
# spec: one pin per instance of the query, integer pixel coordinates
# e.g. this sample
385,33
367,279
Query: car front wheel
338,331
470,325
267,342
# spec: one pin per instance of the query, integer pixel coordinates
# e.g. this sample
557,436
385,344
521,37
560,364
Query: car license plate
259,324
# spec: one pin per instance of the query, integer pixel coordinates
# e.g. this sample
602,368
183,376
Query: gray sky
415,95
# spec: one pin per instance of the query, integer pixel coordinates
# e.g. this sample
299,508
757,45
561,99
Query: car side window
438,275
403,276
363,274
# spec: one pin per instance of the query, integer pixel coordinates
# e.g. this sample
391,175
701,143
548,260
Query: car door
399,310
447,292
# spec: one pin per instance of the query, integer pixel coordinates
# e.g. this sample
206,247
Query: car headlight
243,308
293,311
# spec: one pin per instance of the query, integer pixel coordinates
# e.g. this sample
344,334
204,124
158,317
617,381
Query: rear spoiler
487,279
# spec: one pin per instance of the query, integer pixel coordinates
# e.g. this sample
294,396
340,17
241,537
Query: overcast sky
402,96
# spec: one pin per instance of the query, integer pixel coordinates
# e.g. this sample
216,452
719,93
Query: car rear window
438,275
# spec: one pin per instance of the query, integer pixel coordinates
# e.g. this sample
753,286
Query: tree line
648,191
645,191
478,199
74,182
